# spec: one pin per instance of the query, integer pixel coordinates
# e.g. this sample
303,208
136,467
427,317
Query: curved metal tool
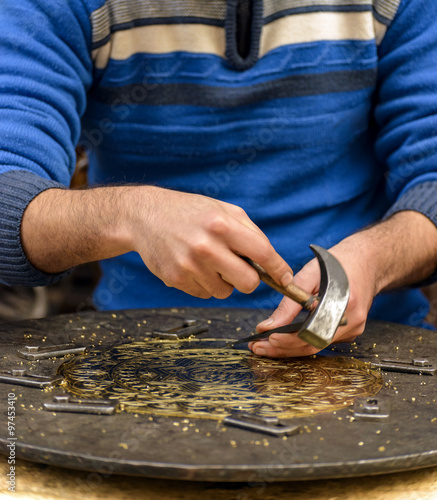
324,318
320,327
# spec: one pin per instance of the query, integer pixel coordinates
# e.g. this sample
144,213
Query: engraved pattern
200,378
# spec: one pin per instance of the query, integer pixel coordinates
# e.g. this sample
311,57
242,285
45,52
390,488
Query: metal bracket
257,423
35,352
189,327
90,406
21,377
417,365
371,409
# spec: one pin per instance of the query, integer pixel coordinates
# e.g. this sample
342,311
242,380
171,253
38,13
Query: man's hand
397,252
189,241
193,243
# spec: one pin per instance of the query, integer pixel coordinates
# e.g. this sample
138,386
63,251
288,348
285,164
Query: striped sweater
318,117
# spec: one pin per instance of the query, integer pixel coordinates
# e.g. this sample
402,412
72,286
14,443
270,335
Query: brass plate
199,378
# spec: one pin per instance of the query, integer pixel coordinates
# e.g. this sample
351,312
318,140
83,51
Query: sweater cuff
17,189
420,198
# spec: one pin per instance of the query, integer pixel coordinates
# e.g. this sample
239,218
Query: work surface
238,464
40,482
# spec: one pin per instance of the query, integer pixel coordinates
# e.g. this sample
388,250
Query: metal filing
35,352
186,329
419,365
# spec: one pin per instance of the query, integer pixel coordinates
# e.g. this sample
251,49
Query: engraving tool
326,310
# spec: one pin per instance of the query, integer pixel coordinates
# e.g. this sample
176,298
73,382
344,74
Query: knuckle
362,325
202,248
179,276
218,224
239,212
222,293
198,291
249,284
185,266
176,280
287,307
360,318
353,303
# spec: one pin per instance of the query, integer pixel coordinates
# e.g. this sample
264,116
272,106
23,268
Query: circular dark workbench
329,444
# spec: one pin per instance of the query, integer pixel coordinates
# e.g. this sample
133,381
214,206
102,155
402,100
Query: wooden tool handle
292,291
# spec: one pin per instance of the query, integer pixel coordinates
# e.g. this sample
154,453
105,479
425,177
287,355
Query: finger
265,348
232,270
242,237
219,288
285,342
241,216
245,239
213,283
345,340
200,282
286,311
191,287
308,278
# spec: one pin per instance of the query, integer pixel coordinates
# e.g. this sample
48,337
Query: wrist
135,210
399,251
360,252
120,214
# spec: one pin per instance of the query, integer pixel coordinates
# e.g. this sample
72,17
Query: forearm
189,241
399,251
64,228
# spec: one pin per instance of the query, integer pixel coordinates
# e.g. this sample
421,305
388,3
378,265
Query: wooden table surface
41,482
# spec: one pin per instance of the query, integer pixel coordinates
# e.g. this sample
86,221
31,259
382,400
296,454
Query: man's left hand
382,257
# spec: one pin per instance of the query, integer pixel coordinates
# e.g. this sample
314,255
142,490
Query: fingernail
286,279
266,322
260,351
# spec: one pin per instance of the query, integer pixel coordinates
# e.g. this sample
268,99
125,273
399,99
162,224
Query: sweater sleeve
45,71
406,109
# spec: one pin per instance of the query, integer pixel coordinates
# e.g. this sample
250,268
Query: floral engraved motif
201,378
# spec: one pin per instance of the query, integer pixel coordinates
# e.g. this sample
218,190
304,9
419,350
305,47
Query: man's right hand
191,242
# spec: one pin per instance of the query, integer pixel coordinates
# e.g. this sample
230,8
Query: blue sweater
325,125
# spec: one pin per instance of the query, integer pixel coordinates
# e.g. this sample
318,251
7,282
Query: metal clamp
417,365
189,327
258,423
371,409
90,406
35,352
21,377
